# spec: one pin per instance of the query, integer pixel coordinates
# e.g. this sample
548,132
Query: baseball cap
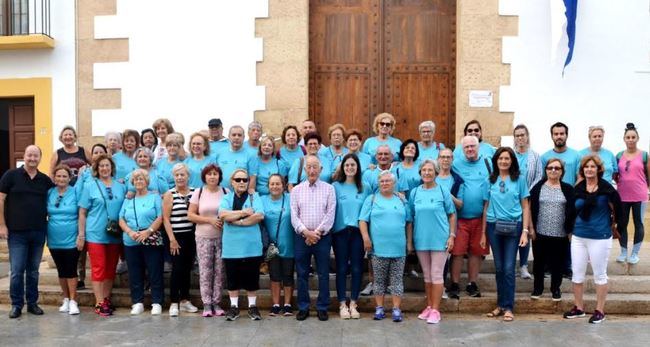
214,123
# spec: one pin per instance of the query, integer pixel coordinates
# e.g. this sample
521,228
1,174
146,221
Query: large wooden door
18,130
372,56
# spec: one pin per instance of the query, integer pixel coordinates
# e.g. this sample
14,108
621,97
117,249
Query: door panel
21,129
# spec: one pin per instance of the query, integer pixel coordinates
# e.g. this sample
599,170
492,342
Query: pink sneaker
217,311
425,313
434,317
207,311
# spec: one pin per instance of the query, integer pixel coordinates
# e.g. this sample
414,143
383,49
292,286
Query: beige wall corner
90,51
479,66
284,70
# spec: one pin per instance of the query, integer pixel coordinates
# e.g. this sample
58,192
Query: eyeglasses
502,187
473,130
553,168
444,156
240,180
627,166
386,124
109,191
58,201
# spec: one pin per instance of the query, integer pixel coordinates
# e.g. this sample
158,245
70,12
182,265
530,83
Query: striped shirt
179,221
313,207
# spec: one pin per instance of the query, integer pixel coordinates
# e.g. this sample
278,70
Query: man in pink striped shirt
313,204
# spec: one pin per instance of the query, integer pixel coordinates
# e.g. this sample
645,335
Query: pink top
632,185
208,207
313,206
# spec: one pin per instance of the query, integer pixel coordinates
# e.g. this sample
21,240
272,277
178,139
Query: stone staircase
629,291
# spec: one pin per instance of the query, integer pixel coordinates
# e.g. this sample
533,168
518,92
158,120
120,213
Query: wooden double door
16,131
373,56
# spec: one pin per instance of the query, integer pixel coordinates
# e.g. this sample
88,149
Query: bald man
23,220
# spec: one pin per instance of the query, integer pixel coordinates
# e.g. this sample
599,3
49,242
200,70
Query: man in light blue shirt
254,134
234,157
217,140
569,156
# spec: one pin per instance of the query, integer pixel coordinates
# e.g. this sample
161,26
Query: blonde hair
336,126
140,173
163,121
67,127
206,143
378,118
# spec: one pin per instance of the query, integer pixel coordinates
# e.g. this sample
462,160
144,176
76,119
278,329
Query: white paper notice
480,98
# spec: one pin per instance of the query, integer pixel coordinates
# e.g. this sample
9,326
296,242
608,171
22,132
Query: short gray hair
147,151
307,157
180,166
115,134
429,161
427,124
255,124
387,173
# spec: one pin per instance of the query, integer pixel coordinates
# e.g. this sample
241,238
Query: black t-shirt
26,202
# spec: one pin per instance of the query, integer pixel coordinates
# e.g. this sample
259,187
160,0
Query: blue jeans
139,259
504,251
523,255
348,250
303,254
25,254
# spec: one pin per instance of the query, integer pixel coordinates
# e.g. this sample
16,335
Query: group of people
231,204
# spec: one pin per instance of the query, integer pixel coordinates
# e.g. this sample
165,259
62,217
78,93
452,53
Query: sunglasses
109,191
58,201
384,124
473,130
627,166
553,168
502,187
240,180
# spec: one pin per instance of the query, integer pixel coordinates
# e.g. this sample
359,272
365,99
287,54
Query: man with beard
569,156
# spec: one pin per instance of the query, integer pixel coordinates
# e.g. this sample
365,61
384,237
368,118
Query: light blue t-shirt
157,184
62,220
371,144
334,159
241,241
124,165
325,174
370,178
229,161
447,182
85,176
286,234
164,170
431,209
504,199
196,166
289,156
407,178
252,151
217,146
571,159
97,219
609,162
387,218
348,204
365,160
475,175
430,152
264,170
147,208
484,150
522,160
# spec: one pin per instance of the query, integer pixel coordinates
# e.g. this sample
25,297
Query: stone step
486,282
411,302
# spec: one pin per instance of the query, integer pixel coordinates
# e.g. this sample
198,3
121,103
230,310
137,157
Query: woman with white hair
144,159
429,148
113,141
390,220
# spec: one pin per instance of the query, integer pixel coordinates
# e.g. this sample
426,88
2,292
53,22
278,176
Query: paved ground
87,329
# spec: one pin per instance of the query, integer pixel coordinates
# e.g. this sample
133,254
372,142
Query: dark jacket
606,189
569,208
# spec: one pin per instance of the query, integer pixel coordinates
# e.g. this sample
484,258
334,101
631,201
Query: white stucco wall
607,83
188,62
57,63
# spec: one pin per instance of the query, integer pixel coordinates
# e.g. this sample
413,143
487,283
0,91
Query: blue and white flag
563,29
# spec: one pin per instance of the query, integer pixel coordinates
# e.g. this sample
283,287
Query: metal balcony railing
24,17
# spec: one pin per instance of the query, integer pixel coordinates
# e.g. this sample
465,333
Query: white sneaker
156,309
524,272
444,294
74,308
186,306
173,310
344,311
65,307
367,290
137,309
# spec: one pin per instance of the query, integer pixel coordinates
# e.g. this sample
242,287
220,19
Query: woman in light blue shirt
290,150
62,231
390,220
265,165
434,219
504,212
242,214
346,239
383,125
124,162
298,174
353,139
144,159
141,219
336,150
406,171
100,205
277,222
173,148
198,159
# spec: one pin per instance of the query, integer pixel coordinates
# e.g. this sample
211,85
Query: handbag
272,250
505,227
155,239
112,226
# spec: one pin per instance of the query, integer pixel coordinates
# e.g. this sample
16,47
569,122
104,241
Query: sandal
495,313
508,316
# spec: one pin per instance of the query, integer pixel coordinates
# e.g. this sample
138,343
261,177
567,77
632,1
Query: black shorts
66,262
243,273
281,270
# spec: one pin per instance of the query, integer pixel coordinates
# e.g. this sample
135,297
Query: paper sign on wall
480,98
